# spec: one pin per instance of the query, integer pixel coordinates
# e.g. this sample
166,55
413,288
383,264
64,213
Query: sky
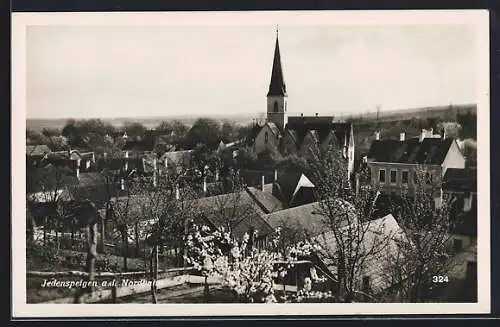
149,71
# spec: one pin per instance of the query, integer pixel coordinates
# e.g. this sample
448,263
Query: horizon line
201,115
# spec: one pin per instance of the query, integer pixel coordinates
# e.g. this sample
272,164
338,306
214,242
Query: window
381,175
266,137
276,106
404,177
365,284
393,176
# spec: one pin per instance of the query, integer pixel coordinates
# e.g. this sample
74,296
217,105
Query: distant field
384,116
149,122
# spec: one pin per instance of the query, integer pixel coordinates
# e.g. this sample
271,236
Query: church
297,134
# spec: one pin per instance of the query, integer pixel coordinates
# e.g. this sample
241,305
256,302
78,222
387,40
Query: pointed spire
277,85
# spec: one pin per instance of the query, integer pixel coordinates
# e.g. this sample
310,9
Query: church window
266,137
275,106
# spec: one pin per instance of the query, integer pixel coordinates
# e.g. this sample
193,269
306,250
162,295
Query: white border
20,21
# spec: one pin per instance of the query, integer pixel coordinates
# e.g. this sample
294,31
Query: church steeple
277,86
276,97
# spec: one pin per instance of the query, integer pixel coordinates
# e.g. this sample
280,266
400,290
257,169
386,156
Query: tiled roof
240,208
460,180
287,184
319,130
119,163
37,150
274,128
306,217
266,199
412,151
252,134
301,218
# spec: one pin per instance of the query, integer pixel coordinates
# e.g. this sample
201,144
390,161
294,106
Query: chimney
275,175
402,136
177,193
422,135
377,135
122,184
263,181
126,160
78,168
205,185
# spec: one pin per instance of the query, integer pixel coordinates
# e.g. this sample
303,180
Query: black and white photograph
218,163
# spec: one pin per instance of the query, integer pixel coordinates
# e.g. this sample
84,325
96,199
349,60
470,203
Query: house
34,153
124,162
371,276
460,188
76,160
309,223
298,135
239,211
396,164
176,160
292,189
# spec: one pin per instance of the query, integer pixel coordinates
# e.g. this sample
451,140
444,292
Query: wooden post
103,231
113,294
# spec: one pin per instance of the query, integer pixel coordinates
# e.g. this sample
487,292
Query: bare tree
424,215
88,216
347,243
50,190
125,213
164,211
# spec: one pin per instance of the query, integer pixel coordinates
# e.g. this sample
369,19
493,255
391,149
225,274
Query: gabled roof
268,202
240,207
252,134
319,130
460,180
274,128
376,230
119,163
288,184
37,150
277,85
301,217
412,151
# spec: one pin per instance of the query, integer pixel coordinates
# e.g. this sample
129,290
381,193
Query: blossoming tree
247,271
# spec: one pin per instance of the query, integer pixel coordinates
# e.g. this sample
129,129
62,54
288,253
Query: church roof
277,85
319,130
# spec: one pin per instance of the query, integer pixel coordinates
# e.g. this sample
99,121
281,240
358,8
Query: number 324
439,279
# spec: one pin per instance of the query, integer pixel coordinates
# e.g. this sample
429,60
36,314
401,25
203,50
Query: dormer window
276,106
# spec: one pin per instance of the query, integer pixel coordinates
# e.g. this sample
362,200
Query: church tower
276,97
